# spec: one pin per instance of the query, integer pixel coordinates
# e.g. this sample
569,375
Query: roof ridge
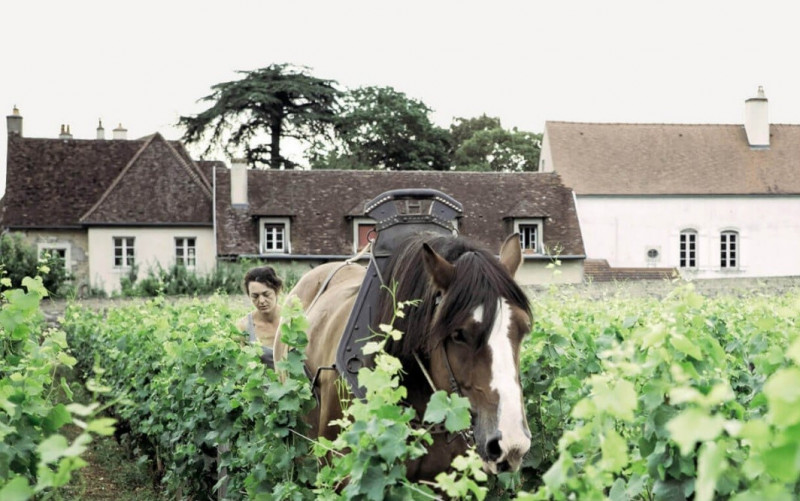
117,179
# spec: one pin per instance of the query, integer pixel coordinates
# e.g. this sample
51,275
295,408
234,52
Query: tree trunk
275,143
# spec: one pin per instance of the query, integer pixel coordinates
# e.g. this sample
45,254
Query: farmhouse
114,208
712,200
108,207
307,217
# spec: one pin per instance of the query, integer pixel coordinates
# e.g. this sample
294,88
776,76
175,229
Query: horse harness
398,214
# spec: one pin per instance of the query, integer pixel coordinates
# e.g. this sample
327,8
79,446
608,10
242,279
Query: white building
714,201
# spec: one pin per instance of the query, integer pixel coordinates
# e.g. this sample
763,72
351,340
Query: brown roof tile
158,186
672,159
321,205
53,183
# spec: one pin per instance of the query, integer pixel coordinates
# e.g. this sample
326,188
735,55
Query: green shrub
188,385
19,260
178,280
35,456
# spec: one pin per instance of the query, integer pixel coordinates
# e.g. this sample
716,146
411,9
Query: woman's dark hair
265,275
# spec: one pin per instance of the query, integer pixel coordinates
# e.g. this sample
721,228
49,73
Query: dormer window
363,231
530,235
275,236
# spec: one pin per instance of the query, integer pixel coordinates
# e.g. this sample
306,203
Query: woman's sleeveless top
267,357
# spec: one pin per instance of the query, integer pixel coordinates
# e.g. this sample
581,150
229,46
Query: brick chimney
756,120
101,132
120,132
14,122
65,133
239,183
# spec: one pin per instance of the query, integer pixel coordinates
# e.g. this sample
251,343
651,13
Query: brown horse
469,324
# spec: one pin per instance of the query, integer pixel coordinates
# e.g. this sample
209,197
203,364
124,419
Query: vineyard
627,398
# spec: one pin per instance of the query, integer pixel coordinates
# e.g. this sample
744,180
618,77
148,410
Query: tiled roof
598,270
53,183
321,204
673,159
158,186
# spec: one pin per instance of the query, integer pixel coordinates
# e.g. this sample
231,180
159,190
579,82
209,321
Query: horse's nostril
493,449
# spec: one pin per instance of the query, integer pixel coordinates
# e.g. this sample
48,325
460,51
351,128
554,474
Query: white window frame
124,247
287,235
45,247
724,250
357,223
685,253
518,226
184,247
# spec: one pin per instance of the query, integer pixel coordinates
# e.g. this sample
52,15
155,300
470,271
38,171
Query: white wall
536,272
621,229
152,246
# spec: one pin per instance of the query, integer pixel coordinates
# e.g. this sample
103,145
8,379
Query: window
123,252
688,249
728,250
363,230
59,252
186,251
275,235
530,235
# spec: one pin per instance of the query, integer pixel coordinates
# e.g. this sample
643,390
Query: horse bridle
454,388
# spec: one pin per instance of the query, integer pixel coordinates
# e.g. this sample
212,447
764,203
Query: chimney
239,183
120,132
101,132
14,122
65,134
756,120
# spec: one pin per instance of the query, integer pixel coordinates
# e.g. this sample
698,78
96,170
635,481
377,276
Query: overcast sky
144,63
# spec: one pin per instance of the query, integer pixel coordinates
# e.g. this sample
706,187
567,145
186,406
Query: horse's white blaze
510,416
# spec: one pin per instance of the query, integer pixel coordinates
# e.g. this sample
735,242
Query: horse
467,327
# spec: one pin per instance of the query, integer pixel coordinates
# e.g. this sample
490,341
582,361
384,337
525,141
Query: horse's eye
458,336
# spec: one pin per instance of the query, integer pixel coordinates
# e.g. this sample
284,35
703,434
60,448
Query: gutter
339,257
287,257
214,208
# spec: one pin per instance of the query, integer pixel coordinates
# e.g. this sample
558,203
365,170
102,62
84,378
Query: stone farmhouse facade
714,201
113,207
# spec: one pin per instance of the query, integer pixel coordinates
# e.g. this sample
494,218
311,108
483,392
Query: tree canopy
382,128
279,101
482,144
364,128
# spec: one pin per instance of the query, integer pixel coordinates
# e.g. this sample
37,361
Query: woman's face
263,297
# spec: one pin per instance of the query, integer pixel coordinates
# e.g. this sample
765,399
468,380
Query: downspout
580,229
214,213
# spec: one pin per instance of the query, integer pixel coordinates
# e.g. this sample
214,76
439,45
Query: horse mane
479,279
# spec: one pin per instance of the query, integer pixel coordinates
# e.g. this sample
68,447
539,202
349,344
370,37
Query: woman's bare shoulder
241,324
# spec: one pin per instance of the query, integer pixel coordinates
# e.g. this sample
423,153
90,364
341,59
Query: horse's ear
511,254
438,268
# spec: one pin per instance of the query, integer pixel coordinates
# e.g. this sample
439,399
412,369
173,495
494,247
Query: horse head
473,317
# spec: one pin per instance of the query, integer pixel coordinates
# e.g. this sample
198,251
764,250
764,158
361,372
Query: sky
145,63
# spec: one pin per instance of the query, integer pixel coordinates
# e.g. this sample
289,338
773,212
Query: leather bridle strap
454,388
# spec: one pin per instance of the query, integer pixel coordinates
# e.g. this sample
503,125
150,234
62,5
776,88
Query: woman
262,286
